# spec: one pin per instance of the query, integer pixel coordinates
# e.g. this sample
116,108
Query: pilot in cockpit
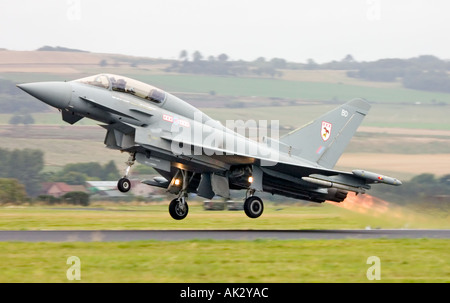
113,82
120,85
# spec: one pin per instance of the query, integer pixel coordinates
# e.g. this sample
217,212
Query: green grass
268,260
118,217
292,261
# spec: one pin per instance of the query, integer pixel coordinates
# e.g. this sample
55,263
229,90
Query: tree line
21,171
24,165
425,72
221,65
425,190
79,173
422,73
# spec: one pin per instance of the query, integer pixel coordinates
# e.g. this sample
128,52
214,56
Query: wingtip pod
376,178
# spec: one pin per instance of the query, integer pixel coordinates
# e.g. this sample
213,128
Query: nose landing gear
124,185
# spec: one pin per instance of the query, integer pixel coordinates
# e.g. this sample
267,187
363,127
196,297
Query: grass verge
114,216
266,261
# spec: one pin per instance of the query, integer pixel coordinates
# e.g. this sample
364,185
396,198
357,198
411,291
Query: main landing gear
124,185
178,208
253,205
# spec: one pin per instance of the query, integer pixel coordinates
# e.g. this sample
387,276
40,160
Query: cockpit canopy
126,85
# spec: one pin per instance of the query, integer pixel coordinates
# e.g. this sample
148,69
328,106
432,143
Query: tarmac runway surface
177,235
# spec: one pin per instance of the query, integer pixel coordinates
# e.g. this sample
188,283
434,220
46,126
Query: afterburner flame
396,215
365,204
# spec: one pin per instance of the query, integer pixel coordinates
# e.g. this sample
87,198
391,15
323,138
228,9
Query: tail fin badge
325,132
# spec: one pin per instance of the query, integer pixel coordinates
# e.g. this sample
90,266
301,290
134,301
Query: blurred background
262,60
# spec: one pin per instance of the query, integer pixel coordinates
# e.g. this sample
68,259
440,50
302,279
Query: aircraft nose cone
56,94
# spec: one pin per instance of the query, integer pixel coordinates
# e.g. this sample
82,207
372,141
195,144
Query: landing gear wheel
253,207
178,209
124,185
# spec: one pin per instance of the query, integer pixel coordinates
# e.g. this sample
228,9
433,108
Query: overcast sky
323,30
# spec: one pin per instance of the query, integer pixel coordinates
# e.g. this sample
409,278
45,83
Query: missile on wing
376,177
330,184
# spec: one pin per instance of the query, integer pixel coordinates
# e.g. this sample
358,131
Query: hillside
58,62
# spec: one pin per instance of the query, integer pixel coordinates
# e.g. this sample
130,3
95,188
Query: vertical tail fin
324,140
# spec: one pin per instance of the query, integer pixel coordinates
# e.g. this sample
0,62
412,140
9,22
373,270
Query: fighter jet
194,153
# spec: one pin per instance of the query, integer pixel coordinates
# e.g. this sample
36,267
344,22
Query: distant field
25,77
59,152
380,115
264,87
48,118
333,76
261,87
395,163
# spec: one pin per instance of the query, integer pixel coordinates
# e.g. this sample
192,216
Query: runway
178,235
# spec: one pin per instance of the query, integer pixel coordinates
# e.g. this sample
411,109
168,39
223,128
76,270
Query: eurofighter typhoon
194,153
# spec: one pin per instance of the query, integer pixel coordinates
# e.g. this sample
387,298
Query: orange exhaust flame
392,214
365,204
